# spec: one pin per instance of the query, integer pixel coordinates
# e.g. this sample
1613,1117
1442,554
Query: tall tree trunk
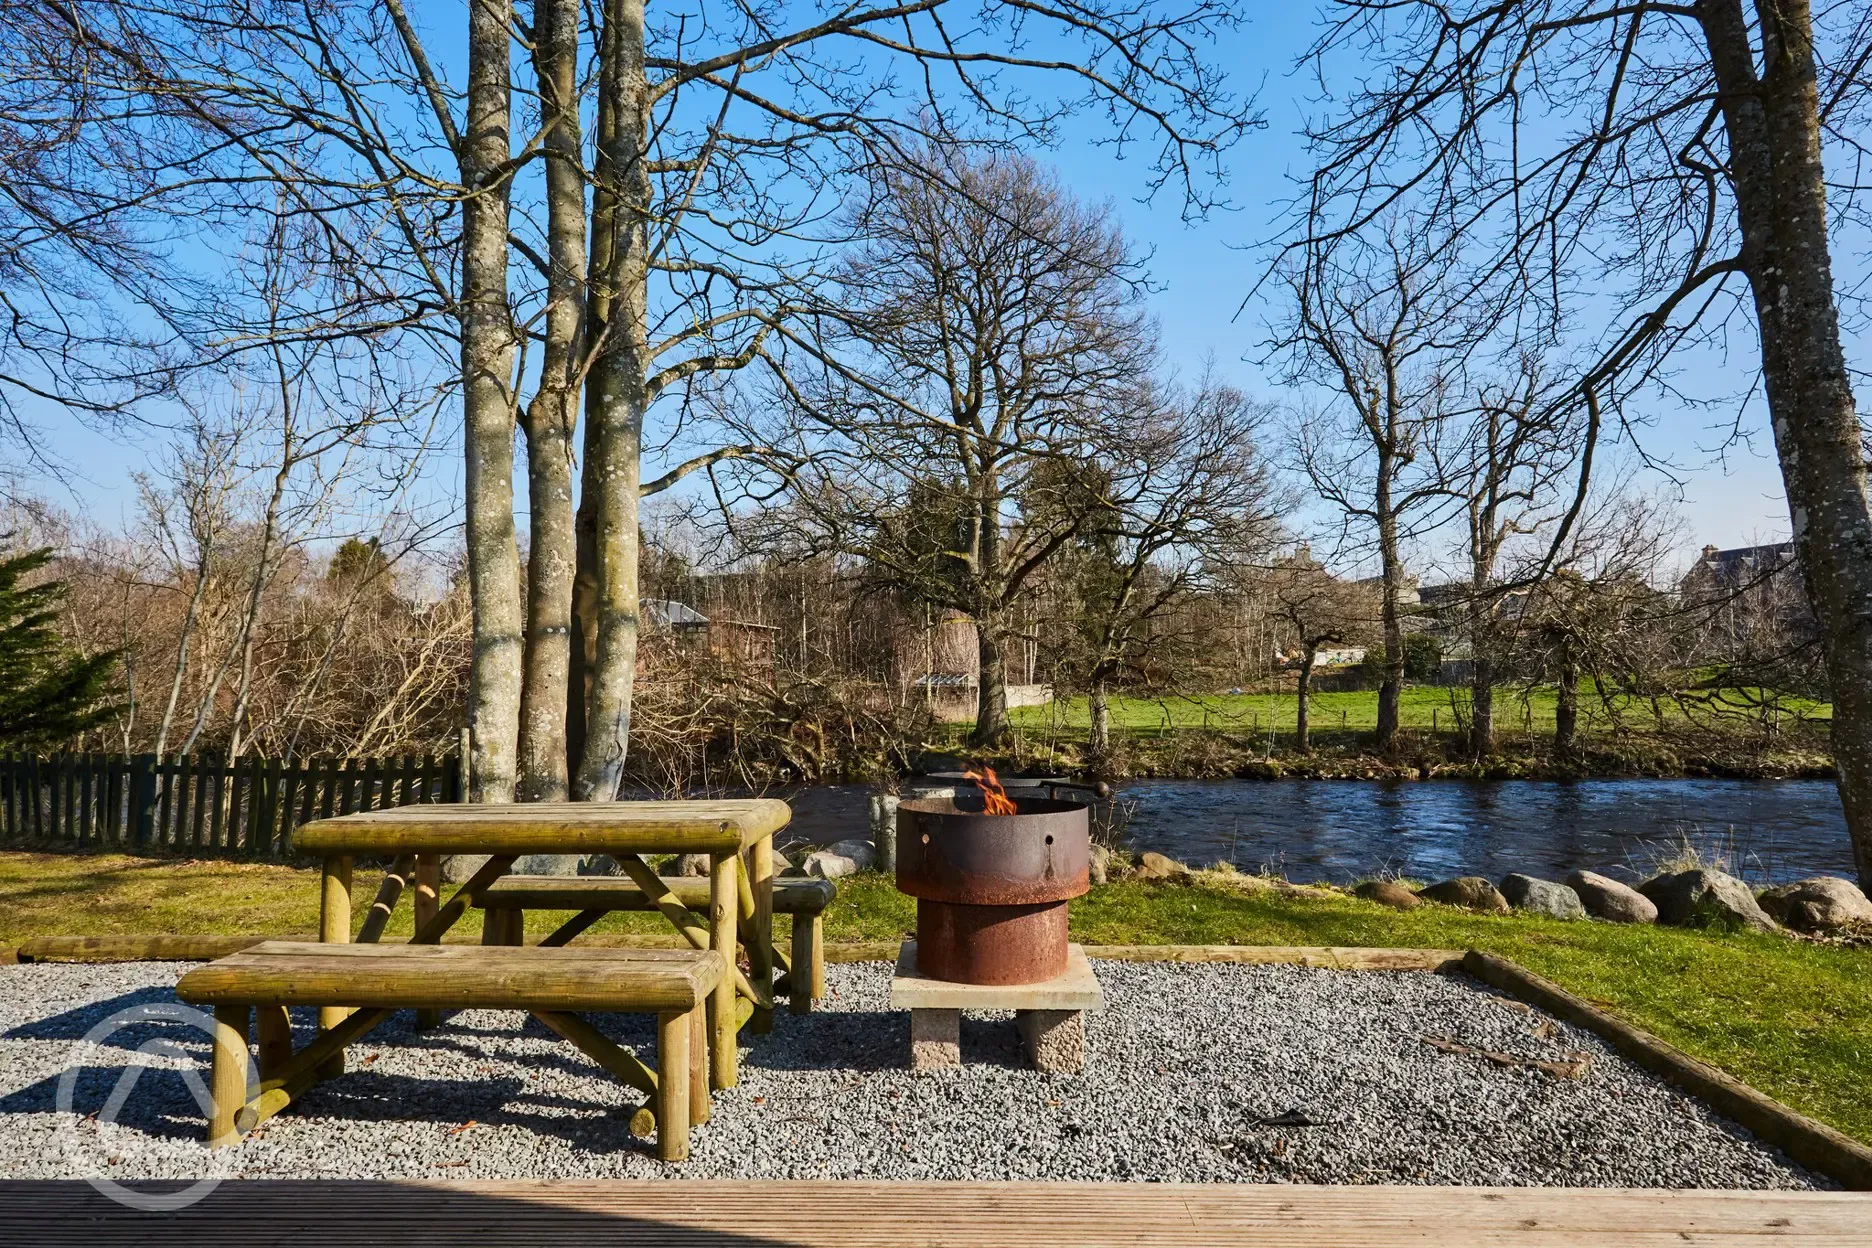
552,415
1566,706
1303,728
487,352
992,727
1481,705
1391,690
1098,701
1774,135
619,393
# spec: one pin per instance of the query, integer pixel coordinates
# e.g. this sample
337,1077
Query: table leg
760,953
724,903
228,1077
334,929
672,1094
427,900
698,1064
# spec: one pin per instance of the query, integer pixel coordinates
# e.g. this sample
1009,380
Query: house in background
738,642
1749,592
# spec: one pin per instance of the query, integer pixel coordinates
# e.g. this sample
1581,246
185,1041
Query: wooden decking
950,1215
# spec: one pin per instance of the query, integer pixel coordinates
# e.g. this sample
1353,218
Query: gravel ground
1195,1073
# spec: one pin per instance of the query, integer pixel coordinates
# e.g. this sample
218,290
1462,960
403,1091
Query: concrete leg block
1054,1039
935,1039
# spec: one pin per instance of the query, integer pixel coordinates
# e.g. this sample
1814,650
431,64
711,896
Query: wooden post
334,929
807,975
724,898
699,1104
426,902
275,1027
760,952
228,1078
672,1094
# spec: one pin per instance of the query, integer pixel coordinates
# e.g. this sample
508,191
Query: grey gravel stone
1537,896
1193,1073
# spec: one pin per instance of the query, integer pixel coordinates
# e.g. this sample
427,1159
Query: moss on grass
1793,1018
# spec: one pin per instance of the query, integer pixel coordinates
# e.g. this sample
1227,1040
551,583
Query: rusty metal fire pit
992,890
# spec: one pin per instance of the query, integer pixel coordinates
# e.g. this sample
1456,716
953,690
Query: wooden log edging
1812,1144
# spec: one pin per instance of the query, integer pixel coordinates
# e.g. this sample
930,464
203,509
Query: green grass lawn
1792,1018
1421,707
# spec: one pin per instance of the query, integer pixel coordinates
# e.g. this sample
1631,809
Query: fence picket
202,805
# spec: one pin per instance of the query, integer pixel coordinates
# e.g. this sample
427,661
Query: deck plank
955,1215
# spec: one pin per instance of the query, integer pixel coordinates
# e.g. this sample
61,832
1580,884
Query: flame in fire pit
994,796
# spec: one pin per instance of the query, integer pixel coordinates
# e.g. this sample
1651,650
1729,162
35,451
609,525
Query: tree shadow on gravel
72,1024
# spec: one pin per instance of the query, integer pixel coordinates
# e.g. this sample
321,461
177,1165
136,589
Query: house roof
667,613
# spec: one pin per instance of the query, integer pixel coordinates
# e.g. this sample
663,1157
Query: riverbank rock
1606,898
692,864
1705,898
1537,896
1471,892
1154,866
861,852
826,865
1099,863
1388,893
1824,903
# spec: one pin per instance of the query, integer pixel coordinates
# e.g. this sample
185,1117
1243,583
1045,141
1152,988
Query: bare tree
1648,156
1377,320
1187,497
983,333
1510,467
1317,610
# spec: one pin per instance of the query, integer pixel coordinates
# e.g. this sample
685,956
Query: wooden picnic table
417,838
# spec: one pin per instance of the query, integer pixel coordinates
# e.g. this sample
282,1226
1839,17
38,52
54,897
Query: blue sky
1203,272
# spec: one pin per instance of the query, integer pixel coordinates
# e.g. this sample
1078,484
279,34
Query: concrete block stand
1050,1015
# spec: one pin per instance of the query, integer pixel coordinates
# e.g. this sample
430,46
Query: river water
1338,830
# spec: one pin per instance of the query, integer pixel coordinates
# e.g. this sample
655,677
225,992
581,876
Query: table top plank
717,825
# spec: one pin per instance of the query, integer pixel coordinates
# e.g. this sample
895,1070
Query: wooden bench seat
507,900
554,984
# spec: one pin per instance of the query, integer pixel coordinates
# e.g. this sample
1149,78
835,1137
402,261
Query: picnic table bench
507,900
418,837
554,985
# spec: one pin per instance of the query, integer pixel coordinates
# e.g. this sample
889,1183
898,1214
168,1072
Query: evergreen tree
49,693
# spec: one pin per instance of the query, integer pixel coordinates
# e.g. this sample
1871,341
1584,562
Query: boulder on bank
1154,866
861,852
826,865
1606,898
692,864
1099,863
1705,898
1538,896
1471,892
1388,893
1824,903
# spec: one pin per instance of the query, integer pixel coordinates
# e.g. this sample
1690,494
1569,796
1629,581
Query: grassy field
1422,707
1792,1018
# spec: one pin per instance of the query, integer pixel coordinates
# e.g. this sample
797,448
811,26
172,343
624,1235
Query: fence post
142,799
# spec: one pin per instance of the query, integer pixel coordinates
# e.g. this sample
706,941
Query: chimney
1709,552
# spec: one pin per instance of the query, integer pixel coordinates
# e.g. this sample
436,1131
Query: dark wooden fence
200,805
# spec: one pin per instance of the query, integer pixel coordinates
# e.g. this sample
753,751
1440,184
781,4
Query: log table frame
418,837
